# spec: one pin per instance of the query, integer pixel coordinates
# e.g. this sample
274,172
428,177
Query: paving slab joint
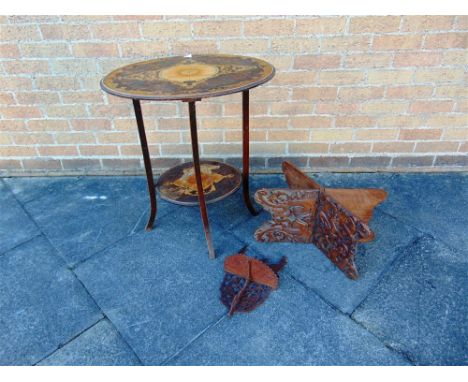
69,340
309,289
194,339
423,232
404,354
21,243
400,250
123,339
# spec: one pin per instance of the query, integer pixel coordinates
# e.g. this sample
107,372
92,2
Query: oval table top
187,77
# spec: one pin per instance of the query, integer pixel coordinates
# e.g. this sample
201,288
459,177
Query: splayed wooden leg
147,162
245,153
196,165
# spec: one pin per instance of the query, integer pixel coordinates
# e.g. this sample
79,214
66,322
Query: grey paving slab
161,291
159,288
15,225
434,203
100,345
293,327
311,267
96,213
421,307
29,188
355,180
267,181
42,304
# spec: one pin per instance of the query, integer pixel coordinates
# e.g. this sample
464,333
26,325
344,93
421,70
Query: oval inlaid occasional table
190,79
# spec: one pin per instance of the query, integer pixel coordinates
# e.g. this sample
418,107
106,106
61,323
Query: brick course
350,93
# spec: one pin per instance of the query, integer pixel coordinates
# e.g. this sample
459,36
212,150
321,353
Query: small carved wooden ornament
248,281
335,220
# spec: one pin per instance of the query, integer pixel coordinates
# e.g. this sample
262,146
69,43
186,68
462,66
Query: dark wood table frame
190,79
196,162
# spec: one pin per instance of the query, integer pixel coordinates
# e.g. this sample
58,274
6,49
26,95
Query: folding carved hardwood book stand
334,219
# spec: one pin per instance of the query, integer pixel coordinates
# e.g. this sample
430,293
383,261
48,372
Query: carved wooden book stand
335,220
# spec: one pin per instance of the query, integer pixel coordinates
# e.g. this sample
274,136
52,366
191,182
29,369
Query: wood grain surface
187,78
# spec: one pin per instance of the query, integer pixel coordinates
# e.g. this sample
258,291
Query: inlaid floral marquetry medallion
189,74
178,185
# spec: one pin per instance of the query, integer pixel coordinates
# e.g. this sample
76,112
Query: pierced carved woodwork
335,220
359,201
248,282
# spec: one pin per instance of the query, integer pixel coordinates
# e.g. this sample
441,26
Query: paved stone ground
81,283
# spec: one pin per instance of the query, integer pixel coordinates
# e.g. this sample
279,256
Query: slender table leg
245,153
147,161
196,165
